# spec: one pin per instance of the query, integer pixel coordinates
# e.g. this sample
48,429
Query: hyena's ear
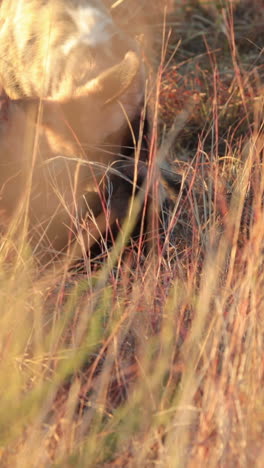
110,84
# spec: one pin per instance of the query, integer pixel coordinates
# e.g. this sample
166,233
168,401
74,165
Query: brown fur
59,128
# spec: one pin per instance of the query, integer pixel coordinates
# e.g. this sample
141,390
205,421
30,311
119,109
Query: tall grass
156,360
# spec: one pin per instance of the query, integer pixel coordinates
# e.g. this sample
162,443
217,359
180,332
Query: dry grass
157,361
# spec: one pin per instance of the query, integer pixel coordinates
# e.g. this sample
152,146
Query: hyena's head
62,49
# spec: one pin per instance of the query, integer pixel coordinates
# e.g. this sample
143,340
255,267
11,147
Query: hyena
75,87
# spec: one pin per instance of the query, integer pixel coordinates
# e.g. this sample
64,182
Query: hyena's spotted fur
75,84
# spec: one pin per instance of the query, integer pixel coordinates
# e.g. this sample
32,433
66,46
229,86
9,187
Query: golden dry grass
158,360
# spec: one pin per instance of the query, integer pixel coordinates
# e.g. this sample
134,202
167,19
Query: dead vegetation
157,360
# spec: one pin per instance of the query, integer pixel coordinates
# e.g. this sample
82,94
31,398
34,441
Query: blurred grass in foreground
157,361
